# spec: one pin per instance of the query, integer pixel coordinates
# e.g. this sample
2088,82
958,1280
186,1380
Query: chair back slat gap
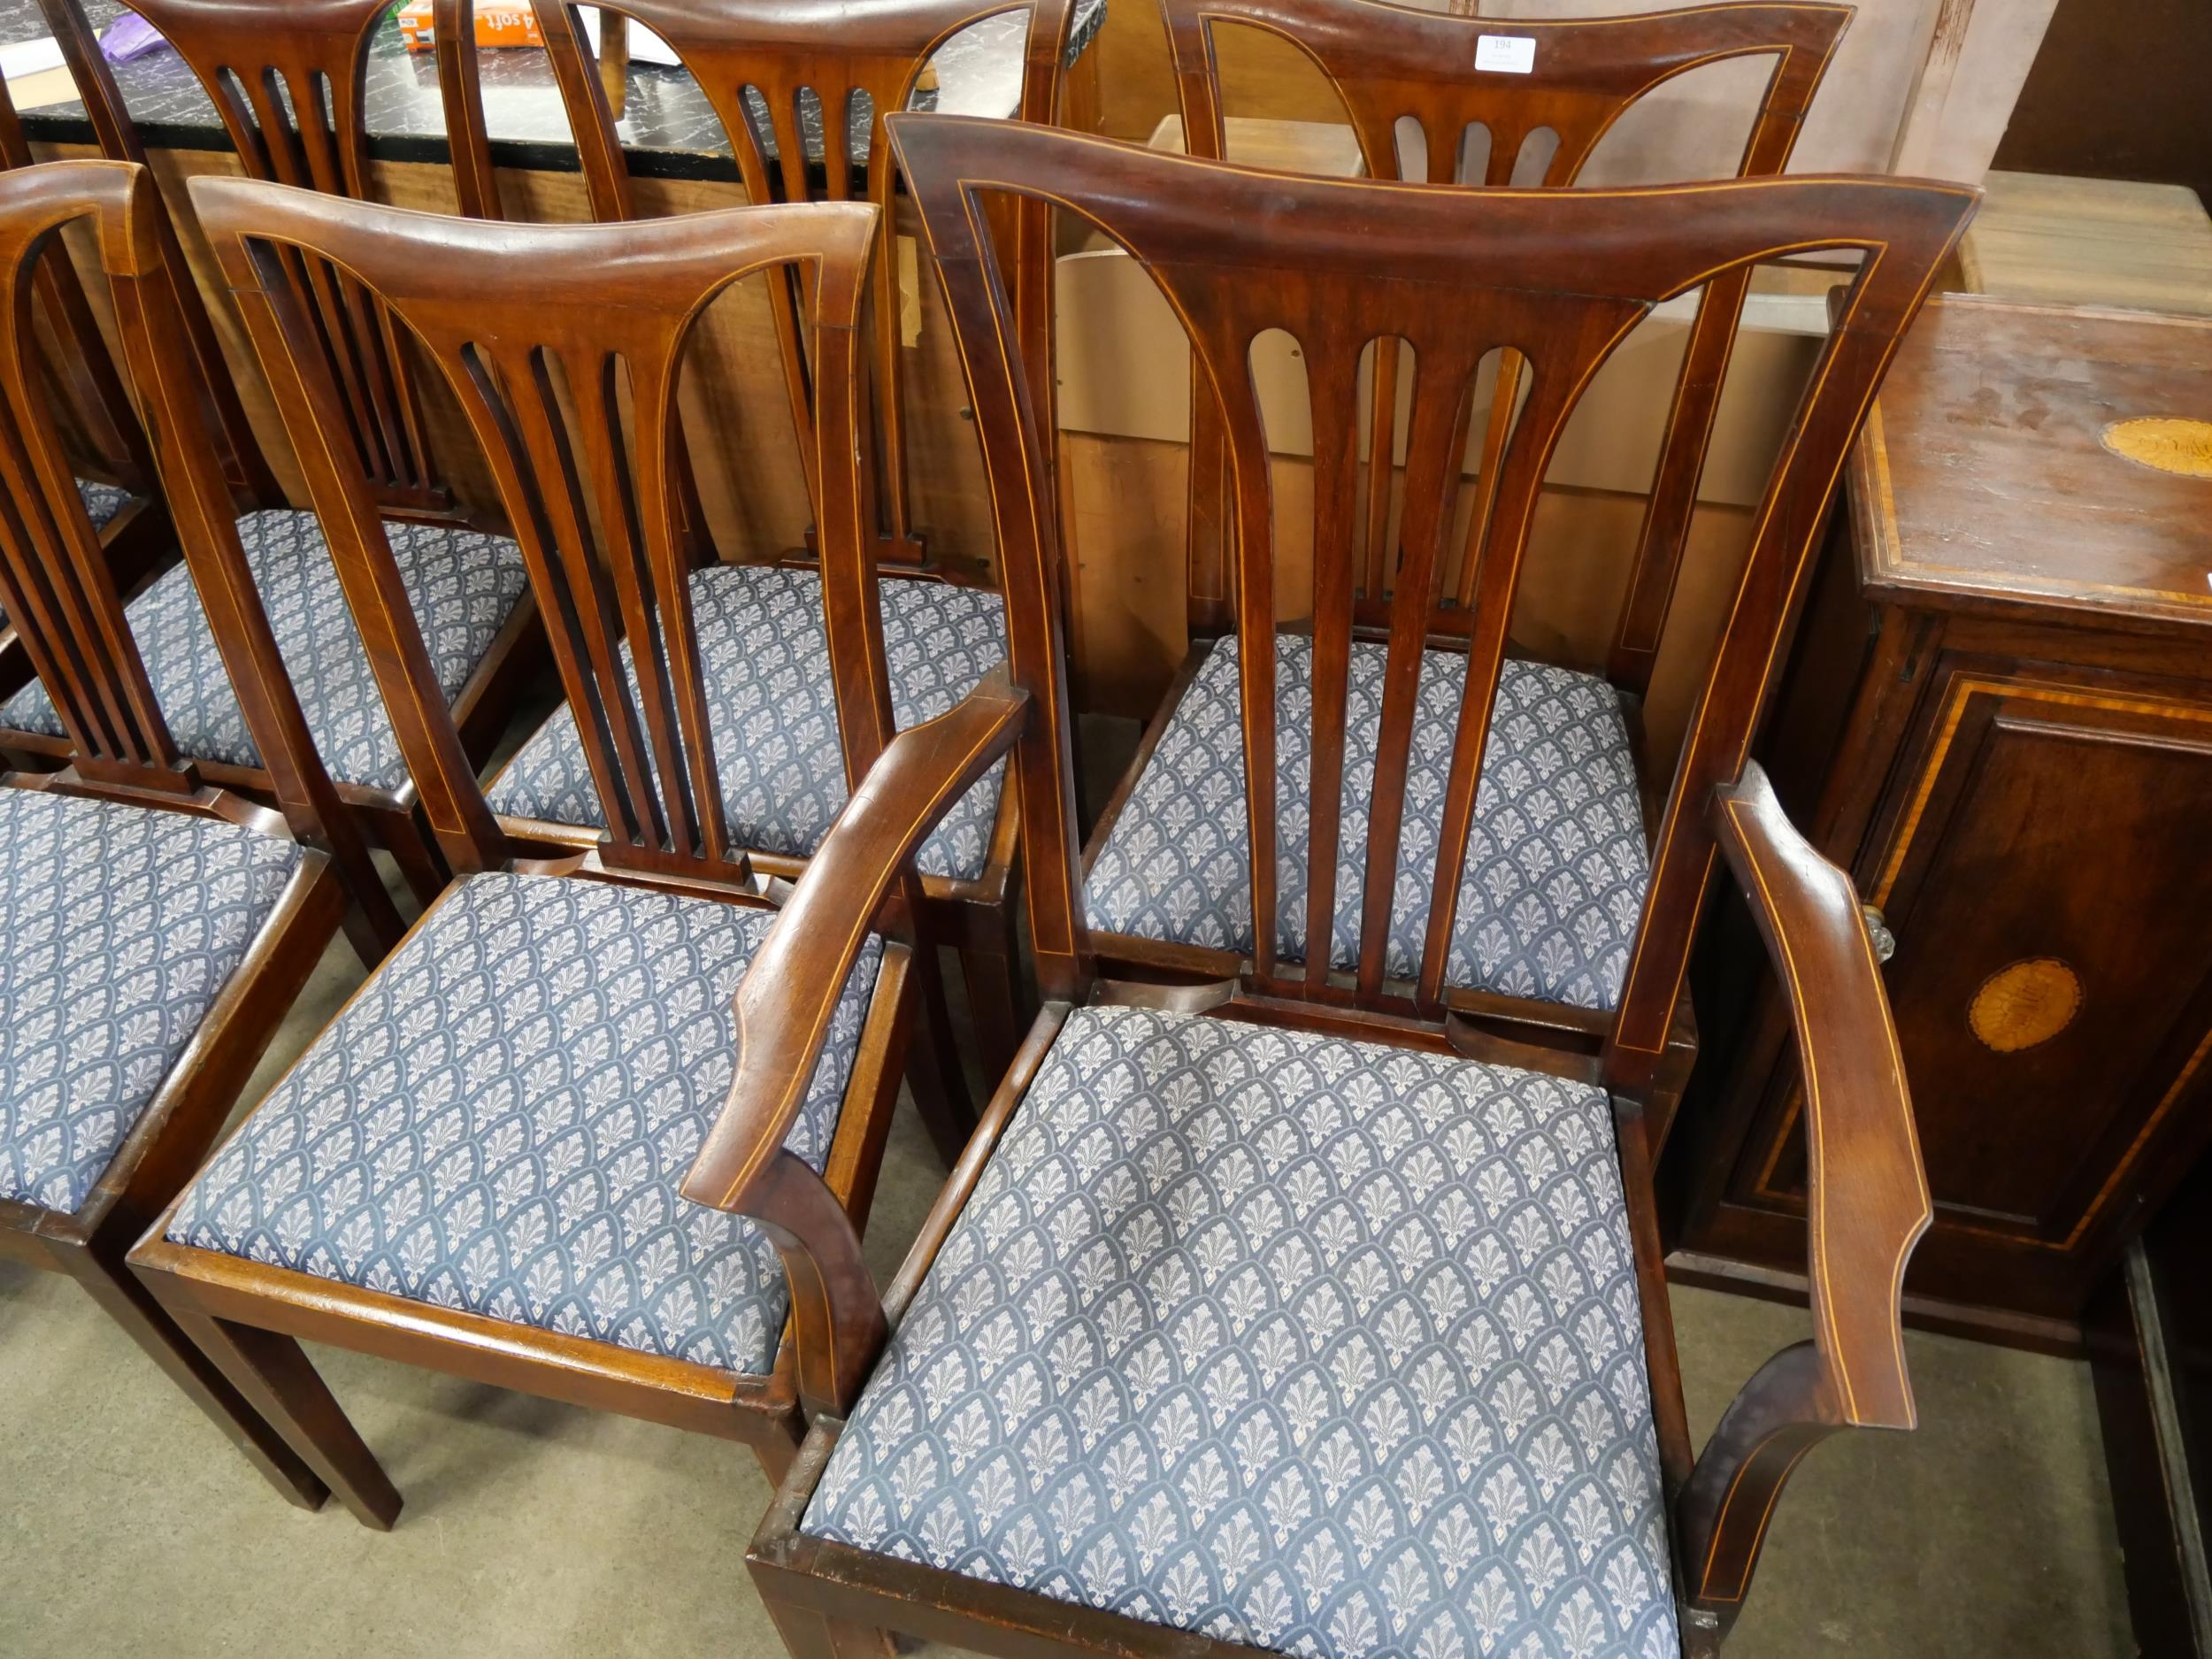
1245,436
533,463
609,542
1663,536
653,580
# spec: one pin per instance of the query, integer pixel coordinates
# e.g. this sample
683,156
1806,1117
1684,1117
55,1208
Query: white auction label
1505,54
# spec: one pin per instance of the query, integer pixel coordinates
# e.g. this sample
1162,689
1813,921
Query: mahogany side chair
798,83
287,80
154,929
1540,954
1289,1312
474,1167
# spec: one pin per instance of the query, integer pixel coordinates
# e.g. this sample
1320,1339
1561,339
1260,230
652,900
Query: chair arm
784,1006
1866,1195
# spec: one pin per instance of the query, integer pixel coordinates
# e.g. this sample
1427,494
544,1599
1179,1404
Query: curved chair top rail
757,58
1387,62
1558,277
563,345
287,79
54,580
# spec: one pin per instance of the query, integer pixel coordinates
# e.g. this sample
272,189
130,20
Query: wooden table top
2023,458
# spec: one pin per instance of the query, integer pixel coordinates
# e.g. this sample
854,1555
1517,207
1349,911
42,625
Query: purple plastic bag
130,36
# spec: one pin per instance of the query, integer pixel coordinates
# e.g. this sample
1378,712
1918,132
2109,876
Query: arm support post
784,1008
1867,1200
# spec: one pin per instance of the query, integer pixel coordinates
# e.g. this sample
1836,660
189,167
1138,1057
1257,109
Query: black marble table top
668,127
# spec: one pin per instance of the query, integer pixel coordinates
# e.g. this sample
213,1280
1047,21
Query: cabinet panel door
2046,868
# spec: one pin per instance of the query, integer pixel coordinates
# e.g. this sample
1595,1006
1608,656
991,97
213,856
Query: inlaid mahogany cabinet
1999,716
154,929
474,1166
1535,952
1289,1310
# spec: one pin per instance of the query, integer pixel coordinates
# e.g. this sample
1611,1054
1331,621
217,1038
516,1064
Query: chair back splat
1559,278
563,344
772,69
56,585
1388,65
288,78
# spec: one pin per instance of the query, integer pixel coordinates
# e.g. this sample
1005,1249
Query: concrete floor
129,1526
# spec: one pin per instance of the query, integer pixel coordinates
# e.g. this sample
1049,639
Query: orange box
511,23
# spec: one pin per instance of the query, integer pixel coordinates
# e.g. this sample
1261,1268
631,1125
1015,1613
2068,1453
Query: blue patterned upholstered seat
499,1121
118,928
1557,864
773,709
463,586
102,502
1316,1345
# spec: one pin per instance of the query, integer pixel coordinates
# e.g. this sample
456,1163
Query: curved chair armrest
784,1006
1867,1198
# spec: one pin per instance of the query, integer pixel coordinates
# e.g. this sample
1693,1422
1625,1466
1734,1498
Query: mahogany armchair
798,82
154,929
1292,1311
287,79
1540,970
473,1168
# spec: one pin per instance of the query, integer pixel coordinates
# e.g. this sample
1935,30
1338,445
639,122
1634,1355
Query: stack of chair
1285,1296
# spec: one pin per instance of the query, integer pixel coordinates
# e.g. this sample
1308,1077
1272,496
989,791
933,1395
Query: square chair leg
274,1372
131,1305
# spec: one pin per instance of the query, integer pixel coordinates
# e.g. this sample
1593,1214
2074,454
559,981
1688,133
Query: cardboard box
511,23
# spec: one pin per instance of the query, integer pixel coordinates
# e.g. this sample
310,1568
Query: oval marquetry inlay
2029,1002
2169,445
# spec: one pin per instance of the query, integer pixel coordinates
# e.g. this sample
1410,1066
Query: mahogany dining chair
801,88
1532,968
1292,1311
473,1167
288,80
154,928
